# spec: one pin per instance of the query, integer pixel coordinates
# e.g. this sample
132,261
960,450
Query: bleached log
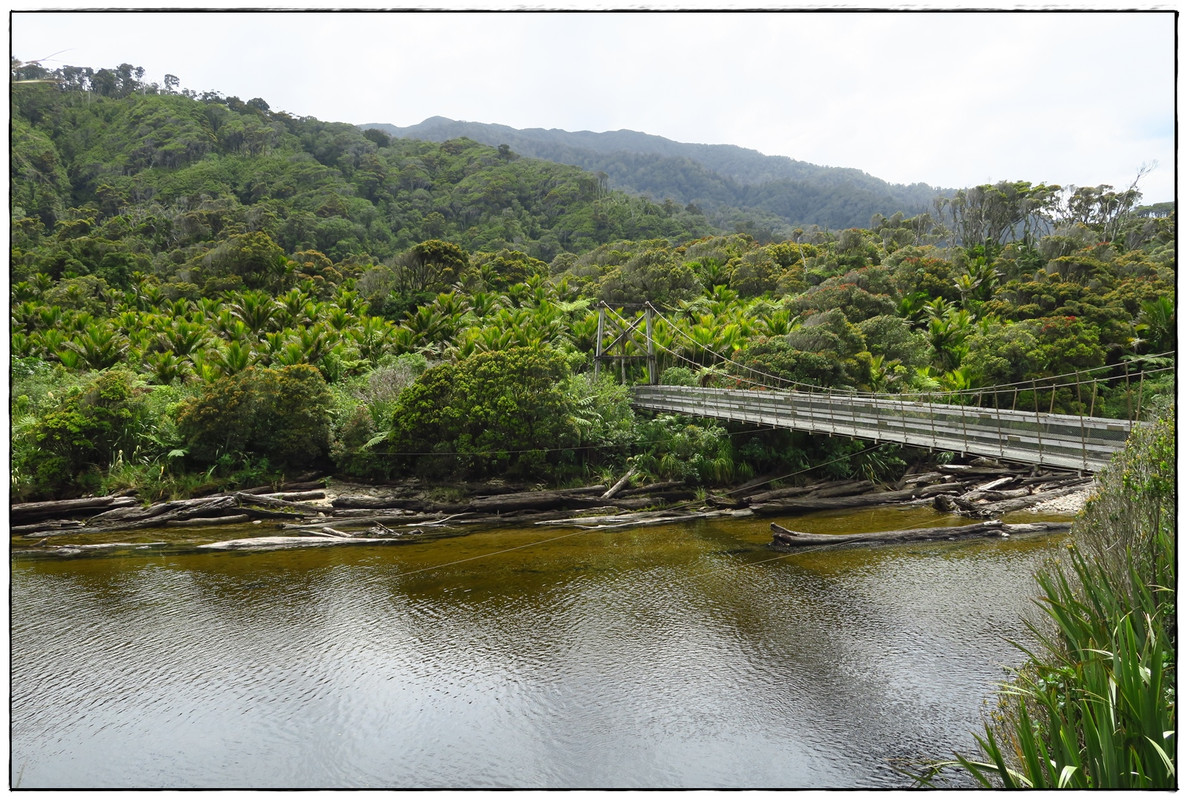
616,488
198,522
285,542
799,505
63,509
280,505
786,538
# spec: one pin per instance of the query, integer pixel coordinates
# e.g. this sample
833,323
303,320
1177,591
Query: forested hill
149,179
731,184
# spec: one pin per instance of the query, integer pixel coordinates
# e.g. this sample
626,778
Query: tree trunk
616,488
61,509
786,538
825,503
535,501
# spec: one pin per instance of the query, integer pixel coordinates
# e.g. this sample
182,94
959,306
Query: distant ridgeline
735,187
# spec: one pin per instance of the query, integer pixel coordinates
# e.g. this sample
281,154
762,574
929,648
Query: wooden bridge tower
623,336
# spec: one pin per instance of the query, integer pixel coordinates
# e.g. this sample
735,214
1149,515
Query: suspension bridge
954,421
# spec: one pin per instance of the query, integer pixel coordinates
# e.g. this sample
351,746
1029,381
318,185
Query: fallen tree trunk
828,503
846,489
778,494
64,509
266,501
315,494
386,503
55,526
786,538
662,486
972,470
198,522
616,488
996,509
284,542
172,509
537,501
938,488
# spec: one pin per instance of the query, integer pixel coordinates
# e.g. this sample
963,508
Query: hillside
155,180
731,184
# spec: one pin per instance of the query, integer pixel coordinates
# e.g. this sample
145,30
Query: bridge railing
1059,440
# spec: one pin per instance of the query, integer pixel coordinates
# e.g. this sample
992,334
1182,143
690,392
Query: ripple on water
655,658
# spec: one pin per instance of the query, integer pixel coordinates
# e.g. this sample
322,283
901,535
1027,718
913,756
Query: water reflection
673,656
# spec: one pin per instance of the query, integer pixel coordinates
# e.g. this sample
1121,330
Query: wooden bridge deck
1056,440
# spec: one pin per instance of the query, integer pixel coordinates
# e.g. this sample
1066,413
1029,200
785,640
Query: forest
208,294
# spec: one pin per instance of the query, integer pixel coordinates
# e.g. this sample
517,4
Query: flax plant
1101,712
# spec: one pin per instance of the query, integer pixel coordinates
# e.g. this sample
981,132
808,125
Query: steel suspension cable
896,396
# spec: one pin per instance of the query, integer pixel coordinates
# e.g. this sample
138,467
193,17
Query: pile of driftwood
981,488
106,514
310,517
377,515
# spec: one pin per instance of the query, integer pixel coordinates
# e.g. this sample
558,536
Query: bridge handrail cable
1046,383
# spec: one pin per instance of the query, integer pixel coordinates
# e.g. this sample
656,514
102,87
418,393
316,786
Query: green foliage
282,415
675,448
831,336
253,258
654,275
778,358
678,376
859,294
362,413
503,412
605,423
897,351
1030,350
506,268
70,442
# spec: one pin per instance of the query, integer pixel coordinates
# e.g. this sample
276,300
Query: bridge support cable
1080,405
957,421
1038,428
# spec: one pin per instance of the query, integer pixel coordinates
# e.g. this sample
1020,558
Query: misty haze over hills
734,186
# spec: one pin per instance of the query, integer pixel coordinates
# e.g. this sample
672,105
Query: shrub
674,448
498,413
282,415
70,444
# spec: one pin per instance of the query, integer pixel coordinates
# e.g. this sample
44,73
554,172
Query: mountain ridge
729,182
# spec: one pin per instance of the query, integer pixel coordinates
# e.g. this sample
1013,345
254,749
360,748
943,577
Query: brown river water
681,655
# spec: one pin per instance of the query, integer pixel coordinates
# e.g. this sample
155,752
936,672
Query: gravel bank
1072,503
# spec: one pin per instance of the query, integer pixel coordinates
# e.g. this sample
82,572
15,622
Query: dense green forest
206,293
738,189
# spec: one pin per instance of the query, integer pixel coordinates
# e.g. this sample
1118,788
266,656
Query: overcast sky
948,99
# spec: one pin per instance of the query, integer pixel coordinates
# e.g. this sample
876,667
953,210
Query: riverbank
326,511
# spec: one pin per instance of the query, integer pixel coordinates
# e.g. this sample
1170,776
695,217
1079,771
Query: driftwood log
798,505
786,538
538,501
21,513
622,482
286,542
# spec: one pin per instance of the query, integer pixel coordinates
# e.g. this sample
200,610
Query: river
681,655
